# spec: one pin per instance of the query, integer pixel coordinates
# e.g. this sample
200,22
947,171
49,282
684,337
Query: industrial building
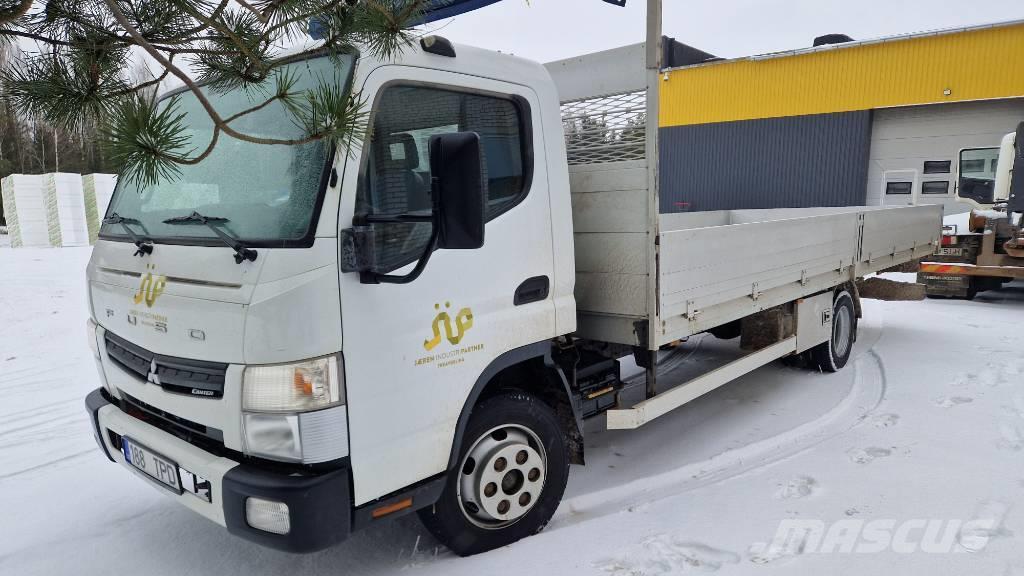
880,122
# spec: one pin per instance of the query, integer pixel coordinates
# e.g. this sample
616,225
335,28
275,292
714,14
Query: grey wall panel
801,161
903,139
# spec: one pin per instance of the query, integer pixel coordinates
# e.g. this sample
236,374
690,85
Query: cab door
414,351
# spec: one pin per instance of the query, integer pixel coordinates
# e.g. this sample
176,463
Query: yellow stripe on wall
972,65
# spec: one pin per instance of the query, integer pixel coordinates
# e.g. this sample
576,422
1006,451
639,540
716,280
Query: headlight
295,412
309,437
298,387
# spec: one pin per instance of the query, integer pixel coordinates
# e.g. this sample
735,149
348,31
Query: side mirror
459,189
459,193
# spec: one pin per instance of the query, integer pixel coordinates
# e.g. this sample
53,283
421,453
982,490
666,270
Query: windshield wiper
214,223
143,246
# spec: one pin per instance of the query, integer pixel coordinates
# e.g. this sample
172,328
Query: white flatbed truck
422,323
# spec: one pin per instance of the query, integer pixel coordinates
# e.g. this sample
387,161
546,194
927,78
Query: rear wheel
972,292
831,356
512,472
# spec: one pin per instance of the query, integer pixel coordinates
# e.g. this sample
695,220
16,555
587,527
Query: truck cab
982,249
275,374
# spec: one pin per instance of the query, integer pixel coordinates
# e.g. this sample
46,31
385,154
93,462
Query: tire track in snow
866,395
56,461
37,428
28,413
14,376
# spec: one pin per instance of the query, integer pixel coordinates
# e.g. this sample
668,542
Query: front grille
180,375
182,423
205,437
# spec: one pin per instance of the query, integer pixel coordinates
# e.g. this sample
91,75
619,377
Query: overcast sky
546,30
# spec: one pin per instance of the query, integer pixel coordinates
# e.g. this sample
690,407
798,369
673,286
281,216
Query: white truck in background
300,342
983,249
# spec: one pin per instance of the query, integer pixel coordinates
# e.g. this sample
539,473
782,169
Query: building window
899,187
936,187
938,166
396,178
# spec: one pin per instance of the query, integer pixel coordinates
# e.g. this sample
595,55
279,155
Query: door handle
532,290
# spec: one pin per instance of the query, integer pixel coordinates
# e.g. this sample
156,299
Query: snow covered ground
910,461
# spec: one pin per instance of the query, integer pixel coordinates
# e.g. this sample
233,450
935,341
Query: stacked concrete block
65,210
57,209
24,200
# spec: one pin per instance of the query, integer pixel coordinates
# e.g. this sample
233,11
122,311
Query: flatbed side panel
707,267
610,234
676,327
748,216
610,328
710,273
898,235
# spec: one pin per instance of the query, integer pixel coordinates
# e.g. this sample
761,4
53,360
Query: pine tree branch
218,121
147,84
320,10
255,11
12,13
217,24
189,34
36,37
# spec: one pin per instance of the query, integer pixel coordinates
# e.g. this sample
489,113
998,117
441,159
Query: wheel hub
502,476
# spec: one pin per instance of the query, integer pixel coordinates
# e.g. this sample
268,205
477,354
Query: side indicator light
391,508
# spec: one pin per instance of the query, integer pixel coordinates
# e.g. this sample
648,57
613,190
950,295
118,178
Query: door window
978,174
396,177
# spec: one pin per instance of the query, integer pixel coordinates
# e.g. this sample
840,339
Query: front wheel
512,472
831,356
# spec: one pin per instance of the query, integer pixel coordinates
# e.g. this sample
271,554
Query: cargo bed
646,278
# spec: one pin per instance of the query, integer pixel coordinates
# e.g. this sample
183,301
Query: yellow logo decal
150,289
463,322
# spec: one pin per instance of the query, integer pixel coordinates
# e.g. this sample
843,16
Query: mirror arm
375,278
435,228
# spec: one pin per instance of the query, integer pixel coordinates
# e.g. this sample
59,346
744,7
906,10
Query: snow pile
991,214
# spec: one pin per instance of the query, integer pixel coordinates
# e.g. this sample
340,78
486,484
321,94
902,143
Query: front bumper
319,506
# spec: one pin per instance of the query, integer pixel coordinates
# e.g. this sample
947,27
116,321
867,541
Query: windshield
269,193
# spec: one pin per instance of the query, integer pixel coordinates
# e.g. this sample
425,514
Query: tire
972,290
509,497
833,355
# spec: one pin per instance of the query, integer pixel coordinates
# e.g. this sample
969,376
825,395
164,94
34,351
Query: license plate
152,464
951,252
